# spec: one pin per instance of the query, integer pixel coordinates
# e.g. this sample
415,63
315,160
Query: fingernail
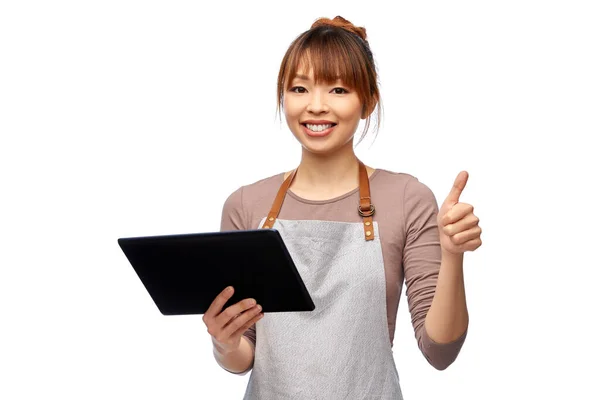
229,289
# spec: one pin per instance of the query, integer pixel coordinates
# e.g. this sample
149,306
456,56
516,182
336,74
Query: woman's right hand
227,327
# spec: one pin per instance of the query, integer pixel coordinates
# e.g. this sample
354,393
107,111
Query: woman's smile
318,128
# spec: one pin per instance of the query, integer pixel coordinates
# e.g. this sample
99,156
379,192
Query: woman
355,233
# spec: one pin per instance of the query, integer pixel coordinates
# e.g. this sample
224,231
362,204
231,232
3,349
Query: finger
246,319
227,315
459,184
456,213
249,324
466,236
217,305
466,222
471,245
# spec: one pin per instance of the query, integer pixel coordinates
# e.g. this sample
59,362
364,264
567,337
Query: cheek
291,113
291,107
351,110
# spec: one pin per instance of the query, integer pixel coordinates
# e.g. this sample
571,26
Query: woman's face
322,117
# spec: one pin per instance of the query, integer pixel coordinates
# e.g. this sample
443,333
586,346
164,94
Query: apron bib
341,350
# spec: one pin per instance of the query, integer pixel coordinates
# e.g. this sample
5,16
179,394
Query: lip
317,134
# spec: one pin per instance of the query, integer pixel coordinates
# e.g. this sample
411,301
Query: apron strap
366,209
276,207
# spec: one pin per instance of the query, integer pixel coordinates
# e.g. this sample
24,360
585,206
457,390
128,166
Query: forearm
237,361
448,318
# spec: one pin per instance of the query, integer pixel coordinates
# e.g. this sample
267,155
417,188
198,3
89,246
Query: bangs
330,58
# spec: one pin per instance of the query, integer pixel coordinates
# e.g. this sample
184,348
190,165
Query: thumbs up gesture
458,226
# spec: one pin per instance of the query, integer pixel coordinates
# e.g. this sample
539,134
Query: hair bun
341,23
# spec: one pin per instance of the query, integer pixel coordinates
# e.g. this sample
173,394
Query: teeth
318,128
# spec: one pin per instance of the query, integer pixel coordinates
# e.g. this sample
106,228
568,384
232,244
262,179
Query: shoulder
248,196
387,177
255,192
401,183
403,192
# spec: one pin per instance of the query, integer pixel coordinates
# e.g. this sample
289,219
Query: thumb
459,184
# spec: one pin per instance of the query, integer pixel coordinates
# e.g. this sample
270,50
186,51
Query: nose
317,104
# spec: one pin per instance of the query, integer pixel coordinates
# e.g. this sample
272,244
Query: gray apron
341,350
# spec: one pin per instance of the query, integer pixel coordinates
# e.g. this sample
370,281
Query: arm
429,275
459,231
448,318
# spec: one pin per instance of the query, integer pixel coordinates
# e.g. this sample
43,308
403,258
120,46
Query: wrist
452,259
222,351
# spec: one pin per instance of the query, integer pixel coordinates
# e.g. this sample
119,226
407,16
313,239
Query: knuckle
241,323
228,313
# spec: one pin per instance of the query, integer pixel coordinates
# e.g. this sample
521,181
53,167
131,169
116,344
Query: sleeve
232,219
421,263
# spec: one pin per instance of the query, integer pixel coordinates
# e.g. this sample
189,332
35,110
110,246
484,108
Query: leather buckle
366,213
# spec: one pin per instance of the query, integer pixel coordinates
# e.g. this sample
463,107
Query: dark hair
335,49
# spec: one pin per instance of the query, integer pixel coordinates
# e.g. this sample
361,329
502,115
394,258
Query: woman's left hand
458,226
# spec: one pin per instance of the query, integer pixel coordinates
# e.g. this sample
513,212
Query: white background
124,118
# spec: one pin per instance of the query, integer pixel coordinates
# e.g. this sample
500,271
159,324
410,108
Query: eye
298,89
339,90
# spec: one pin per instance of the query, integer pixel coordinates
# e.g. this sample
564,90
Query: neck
331,170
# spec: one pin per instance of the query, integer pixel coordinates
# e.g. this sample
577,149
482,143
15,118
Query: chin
321,150
323,147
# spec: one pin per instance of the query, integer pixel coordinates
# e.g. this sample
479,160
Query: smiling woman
352,259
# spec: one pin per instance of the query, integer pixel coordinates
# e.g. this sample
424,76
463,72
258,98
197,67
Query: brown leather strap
366,209
276,207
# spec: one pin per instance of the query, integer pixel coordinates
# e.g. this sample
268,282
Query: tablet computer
184,273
